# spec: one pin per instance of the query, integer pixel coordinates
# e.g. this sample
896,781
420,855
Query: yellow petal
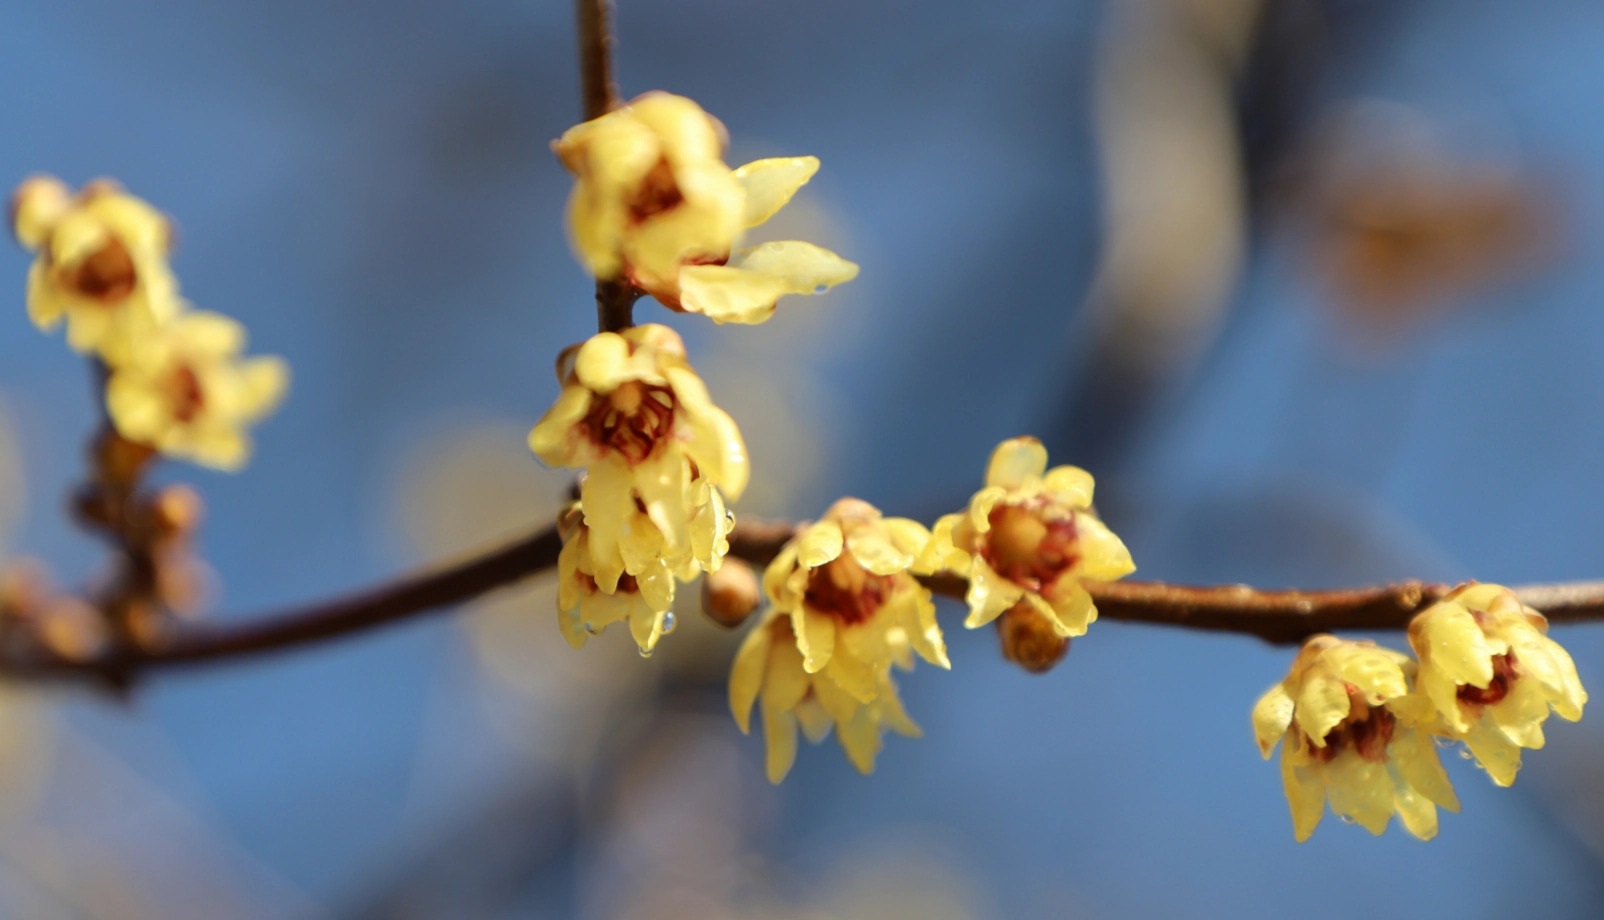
1306,795
1448,638
820,543
815,638
1070,485
769,184
1016,462
779,735
860,738
746,674
802,268
873,548
1103,555
1272,715
727,294
714,440
549,439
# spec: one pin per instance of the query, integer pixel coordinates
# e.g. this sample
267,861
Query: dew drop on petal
669,622
1464,755
592,629
1444,742
646,653
1348,819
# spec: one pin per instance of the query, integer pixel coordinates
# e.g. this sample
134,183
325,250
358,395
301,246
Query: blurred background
1308,284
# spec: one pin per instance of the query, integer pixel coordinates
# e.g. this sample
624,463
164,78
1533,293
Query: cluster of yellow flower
846,604
655,205
175,381
1356,722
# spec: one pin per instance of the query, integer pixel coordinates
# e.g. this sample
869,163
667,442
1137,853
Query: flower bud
730,594
1029,639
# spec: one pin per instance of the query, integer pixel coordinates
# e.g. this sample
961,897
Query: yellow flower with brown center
1030,535
1352,734
770,667
654,201
634,415
185,390
1492,674
852,601
101,263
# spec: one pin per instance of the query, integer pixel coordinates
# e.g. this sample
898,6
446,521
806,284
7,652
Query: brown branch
615,297
1275,616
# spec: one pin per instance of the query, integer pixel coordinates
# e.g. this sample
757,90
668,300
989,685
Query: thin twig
1275,616
615,297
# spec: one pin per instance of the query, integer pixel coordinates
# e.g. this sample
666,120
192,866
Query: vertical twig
615,297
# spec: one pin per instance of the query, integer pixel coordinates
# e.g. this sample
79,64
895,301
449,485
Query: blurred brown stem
1275,616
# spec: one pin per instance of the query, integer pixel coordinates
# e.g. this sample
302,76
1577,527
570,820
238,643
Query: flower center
1366,731
1504,674
626,584
107,275
658,192
1027,549
847,591
184,389
631,419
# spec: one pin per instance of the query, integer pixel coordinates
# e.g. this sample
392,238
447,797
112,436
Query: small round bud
731,593
1028,639
72,629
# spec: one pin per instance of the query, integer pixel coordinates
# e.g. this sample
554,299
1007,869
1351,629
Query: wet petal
769,184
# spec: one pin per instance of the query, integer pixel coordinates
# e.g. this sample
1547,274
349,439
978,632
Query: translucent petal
1414,754
988,595
802,268
1447,638
1272,715
208,334
728,294
1103,555
815,638
1361,789
1498,755
1321,702
820,543
1016,462
784,681
712,438
550,437
779,736
769,184
263,382
860,738
746,674
872,546
853,674
925,632
1070,485
1072,611
816,723
1306,795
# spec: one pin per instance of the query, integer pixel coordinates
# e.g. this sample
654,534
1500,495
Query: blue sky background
368,187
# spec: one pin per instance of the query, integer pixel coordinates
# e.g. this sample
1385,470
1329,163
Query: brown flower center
107,275
631,419
1367,730
184,389
1504,674
1026,548
847,591
658,192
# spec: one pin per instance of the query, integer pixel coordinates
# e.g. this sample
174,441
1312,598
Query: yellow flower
635,416
769,665
593,594
1029,535
652,189
1492,674
101,263
853,604
185,391
1351,734
655,201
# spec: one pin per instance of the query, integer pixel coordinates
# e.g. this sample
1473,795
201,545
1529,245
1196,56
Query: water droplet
729,516
669,622
592,629
820,288
1348,819
811,664
1444,742
646,653
1464,755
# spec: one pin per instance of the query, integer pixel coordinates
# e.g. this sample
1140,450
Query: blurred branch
1275,616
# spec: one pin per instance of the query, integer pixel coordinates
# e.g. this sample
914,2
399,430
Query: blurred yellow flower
634,415
1029,535
1351,733
654,201
101,263
845,584
184,390
1492,674
770,666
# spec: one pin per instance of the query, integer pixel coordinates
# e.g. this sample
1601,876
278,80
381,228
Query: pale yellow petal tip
36,206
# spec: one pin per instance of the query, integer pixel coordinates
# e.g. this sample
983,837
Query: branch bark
1274,616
